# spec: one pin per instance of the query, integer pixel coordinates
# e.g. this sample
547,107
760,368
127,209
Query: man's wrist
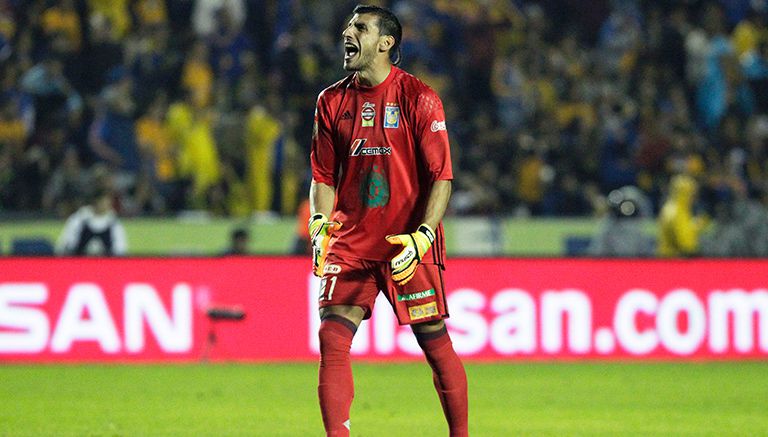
428,231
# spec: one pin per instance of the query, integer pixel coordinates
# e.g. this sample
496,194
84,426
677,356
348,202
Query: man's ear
386,42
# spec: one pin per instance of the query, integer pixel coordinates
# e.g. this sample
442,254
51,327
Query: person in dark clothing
93,230
239,242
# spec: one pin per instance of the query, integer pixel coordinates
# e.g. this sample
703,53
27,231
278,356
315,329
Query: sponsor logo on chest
359,148
368,114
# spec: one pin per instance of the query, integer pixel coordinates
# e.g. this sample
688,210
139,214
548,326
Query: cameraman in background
620,233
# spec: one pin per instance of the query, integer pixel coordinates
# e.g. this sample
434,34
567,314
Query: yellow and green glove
320,231
415,245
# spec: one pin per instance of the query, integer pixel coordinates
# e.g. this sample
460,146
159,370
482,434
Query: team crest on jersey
368,114
391,116
374,188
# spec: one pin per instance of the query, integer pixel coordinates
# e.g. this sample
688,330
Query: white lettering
625,322
384,328
673,305
173,332
578,308
469,330
406,341
98,326
29,327
742,306
361,343
313,284
514,321
514,330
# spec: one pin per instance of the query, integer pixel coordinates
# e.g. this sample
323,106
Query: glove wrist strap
316,218
426,230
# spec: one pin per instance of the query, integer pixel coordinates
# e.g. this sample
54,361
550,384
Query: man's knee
344,314
428,327
335,344
337,328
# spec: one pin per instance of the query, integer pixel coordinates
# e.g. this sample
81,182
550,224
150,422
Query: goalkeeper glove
415,246
320,230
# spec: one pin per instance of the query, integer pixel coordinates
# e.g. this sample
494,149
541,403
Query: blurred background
627,128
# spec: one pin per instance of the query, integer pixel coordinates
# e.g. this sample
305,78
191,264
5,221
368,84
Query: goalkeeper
381,170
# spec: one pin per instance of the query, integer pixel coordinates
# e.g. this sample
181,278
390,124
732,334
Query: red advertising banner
124,310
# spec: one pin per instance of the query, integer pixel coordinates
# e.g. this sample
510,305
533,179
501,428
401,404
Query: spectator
62,21
197,75
262,133
629,92
116,12
68,185
13,130
150,13
94,230
191,128
101,54
749,33
159,154
239,242
113,134
679,227
740,227
204,15
54,95
755,64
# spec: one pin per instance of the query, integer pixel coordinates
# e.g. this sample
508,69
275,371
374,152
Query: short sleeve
432,136
323,154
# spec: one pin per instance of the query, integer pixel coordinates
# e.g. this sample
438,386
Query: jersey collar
374,90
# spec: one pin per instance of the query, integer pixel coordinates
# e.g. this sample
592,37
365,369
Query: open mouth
350,50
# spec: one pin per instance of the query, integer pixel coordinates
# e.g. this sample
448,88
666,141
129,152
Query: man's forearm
437,203
322,198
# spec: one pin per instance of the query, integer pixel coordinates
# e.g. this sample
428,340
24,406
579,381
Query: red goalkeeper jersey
382,148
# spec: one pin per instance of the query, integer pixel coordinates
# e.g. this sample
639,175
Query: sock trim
340,320
422,337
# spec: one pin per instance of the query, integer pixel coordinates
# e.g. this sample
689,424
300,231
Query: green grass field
541,399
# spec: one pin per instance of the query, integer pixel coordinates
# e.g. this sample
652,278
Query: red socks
449,378
336,388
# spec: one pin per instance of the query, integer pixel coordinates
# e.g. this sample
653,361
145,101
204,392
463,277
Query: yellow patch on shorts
423,311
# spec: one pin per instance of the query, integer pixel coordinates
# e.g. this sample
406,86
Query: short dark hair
388,25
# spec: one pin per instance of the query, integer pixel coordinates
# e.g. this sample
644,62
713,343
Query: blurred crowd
551,104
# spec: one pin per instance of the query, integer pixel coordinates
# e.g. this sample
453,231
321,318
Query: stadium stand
206,105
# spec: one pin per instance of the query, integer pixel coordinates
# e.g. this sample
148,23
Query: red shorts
350,281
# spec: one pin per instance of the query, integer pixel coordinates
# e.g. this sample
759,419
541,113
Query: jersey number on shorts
323,283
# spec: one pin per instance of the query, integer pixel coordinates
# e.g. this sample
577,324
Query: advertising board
139,310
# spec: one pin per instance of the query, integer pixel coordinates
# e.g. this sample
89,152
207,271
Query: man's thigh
348,281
